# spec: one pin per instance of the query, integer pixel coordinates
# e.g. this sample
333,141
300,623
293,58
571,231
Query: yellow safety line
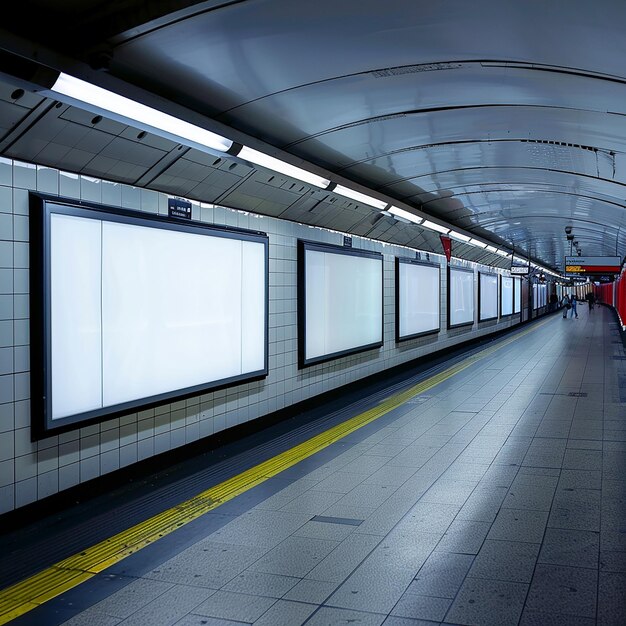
72,571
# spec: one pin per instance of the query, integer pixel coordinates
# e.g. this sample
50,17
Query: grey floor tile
285,613
234,606
312,502
91,617
578,548
394,620
365,464
582,459
441,575
388,475
519,525
261,584
331,616
613,561
581,479
311,591
612,599
535,618
421,607
510,561
567,590
430,517
340,563
169,608
531,492
207,564
131,598
203,620
464,537
296,556
340,482
449,492
488,603
261,528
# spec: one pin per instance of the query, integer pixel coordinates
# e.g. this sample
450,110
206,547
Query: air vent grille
415,69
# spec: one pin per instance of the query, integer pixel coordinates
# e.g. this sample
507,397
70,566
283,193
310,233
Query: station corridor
497,496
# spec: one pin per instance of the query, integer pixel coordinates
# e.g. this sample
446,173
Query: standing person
566,304
573,310
590,299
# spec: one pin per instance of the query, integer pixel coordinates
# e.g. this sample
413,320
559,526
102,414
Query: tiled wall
31,471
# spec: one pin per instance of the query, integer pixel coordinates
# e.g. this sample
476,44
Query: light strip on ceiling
272,163
135,112
359,197
433,226
476,242
503,253
405,214
492,249
460,236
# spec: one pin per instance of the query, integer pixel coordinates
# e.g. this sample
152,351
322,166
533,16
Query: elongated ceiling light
398,212
476,242
437,227
272,163
359,197
134,112
492,249
460,236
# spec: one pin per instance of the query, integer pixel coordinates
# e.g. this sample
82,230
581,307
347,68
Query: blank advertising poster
460,297
487,296
418,292
506,295
152,312
517,295
340,301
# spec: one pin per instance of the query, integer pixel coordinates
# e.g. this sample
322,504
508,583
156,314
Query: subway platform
490,490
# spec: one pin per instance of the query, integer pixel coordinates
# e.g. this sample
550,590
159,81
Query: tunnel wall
31,471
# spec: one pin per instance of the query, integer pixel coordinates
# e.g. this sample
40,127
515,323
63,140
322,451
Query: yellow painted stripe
72,571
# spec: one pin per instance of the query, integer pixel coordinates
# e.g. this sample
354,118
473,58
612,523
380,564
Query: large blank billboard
418,292
340,301
139,310
487,296
460,297
506,296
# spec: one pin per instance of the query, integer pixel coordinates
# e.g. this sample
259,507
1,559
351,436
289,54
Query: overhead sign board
520,270
591,265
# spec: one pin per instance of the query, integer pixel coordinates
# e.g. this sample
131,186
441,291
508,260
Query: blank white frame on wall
131,310
517,295
487,296
460,291
340,301
418,296
506,296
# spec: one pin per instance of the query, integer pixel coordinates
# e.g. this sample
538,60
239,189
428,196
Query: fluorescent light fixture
105,101
437,227
405,214
359,197
480,244
460,236
503,252
272,163
492,248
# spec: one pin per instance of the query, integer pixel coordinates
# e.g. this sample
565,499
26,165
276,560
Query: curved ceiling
507,119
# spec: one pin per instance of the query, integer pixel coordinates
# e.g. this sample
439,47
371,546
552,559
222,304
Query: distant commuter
554,301
590,299
566,304
573,310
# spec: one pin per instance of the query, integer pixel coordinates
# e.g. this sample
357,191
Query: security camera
570,238
579,252
568,229
576,244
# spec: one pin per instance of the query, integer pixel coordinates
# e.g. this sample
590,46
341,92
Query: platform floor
496,498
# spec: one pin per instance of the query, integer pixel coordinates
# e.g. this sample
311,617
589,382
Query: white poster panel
461,297
418,299
149,311
488,296
506,295
343,294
